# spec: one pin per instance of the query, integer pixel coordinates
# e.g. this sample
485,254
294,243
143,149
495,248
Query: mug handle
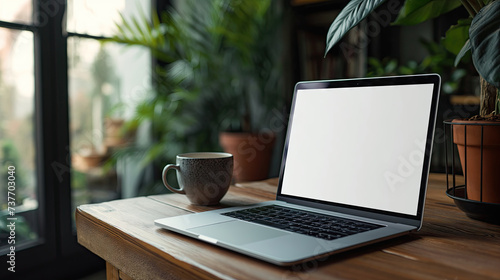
164,177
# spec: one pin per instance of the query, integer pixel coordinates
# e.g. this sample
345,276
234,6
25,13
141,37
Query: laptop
354,171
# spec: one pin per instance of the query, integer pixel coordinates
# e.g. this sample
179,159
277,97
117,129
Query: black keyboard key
302,222
269,223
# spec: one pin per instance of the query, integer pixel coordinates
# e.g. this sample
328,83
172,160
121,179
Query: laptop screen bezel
414,220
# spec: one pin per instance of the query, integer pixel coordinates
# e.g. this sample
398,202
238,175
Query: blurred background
97,96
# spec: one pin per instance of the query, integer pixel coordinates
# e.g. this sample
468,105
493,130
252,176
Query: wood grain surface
449,246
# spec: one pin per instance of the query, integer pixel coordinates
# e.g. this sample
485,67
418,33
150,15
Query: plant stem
468,7
488,98
497,103
475,5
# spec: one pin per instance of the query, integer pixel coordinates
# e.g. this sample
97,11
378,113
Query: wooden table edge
149,268
86,221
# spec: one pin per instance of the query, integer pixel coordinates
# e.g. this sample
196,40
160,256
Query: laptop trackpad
237,232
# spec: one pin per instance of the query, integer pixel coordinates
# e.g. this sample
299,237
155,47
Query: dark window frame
56,254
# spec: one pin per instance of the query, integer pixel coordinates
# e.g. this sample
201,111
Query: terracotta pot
468,140
115,136
85,162
252,154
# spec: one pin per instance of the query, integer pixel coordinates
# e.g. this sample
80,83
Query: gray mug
203,177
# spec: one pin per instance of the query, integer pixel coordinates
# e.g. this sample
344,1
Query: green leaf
484,35
152,153
139,30
391,66
127,28
374,62
417,11
462,52
457,35
350,16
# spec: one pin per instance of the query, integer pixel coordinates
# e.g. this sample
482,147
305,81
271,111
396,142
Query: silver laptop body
356,149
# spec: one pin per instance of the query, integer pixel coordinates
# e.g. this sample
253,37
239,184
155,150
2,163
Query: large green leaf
417,11
484,36
457,35
462,52
350,16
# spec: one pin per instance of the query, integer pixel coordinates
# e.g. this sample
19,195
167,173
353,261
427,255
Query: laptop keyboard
303,222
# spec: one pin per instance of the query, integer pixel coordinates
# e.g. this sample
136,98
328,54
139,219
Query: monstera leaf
484,36
350,16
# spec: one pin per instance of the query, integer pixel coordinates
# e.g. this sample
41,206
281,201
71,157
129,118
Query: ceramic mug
203,177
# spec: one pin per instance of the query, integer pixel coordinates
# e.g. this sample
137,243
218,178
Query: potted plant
251,86
478,34
217,73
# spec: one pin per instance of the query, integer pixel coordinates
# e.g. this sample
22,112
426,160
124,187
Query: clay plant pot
467,136
114,135
86,161
252,154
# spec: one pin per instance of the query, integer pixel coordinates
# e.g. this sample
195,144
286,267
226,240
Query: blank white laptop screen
365,146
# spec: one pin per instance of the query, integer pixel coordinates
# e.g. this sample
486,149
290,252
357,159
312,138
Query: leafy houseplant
438,60
479,34
217,72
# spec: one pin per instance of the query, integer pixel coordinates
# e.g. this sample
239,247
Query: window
60,88
105,82
16,11
19,206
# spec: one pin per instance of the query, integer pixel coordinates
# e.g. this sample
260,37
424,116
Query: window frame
56,254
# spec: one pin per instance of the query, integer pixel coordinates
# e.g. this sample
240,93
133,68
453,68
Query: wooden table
122,232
